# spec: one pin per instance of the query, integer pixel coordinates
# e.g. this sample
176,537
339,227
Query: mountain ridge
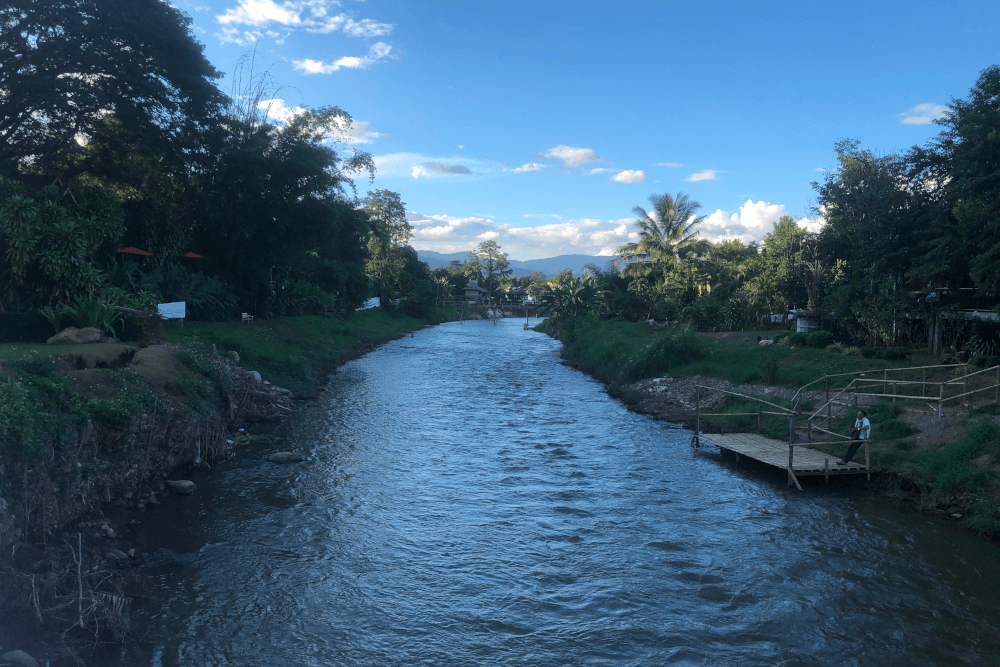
550,266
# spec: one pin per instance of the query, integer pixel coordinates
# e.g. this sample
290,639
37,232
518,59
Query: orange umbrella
194,255
136,251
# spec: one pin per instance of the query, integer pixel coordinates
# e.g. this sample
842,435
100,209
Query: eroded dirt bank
88,435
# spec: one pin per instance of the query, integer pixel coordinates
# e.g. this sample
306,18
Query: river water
471,501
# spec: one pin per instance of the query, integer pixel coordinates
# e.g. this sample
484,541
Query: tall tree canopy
667,235
65,64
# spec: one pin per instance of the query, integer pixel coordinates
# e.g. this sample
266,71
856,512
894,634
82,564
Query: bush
819,339
24,328
298,297
90,311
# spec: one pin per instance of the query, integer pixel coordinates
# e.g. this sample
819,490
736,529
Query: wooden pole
885,386
868,460
697,414
829,411
895,387
941,402
759,417
923,387
998,385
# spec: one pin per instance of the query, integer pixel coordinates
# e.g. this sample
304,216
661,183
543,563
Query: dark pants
852,450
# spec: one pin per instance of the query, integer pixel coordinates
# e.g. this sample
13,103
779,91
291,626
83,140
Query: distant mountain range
550,266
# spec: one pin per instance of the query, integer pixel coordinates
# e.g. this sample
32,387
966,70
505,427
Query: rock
234,356
20,658
182,487
115,554
286,457
151,500
103,356
766,342
141,506
983,460
255,375
110,340
109,531
74,336
157,365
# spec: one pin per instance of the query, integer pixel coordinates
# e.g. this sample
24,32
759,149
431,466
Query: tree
493,262
388,215
867,204
64,64
667,236
960,175
49,248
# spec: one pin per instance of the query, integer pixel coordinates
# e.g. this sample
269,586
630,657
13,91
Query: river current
468,500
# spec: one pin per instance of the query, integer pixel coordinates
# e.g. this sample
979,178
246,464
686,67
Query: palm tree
667,236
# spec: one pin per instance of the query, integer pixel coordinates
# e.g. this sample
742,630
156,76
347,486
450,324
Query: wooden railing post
759,418
998,385
885,383
941,402
829,412
923,385
697,414
868,460
895,386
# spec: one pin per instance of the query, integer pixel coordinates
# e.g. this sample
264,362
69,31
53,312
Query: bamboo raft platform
806,460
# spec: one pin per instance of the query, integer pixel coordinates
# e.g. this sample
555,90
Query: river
470,501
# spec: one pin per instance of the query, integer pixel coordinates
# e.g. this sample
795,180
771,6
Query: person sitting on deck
862,432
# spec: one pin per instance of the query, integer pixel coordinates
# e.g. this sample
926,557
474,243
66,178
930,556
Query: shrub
90,311
819,339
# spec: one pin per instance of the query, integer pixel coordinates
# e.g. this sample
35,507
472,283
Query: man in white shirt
862,432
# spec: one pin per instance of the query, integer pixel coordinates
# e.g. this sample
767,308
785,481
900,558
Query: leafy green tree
866,202
64,64
667,236
959,178
493,262
387,212
49,248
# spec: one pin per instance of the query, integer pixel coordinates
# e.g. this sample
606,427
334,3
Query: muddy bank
86,436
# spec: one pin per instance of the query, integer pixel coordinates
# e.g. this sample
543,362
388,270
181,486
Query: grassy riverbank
297,352
949,467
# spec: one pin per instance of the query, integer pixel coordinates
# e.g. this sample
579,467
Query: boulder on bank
286,457
182,487
104,356
74,336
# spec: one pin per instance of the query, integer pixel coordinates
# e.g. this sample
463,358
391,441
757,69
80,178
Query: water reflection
470,501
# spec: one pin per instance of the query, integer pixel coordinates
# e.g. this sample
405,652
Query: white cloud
572,157
922,114
444,233
630,176
532,166
706,175
428,168
543,215
378,51
599,170
461,147
342,130
752,223
250,19
668,164
415,165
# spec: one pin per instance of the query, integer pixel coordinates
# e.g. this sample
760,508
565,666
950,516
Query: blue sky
542,124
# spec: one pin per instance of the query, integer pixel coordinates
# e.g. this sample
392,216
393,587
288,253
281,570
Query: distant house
474,293
515,295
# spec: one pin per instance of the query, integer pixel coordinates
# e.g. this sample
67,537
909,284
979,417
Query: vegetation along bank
947,466
91,433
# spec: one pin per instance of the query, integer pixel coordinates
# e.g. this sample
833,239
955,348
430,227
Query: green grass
295,352
21,351
623,351
740,359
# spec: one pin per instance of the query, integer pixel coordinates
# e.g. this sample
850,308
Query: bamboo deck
805,460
